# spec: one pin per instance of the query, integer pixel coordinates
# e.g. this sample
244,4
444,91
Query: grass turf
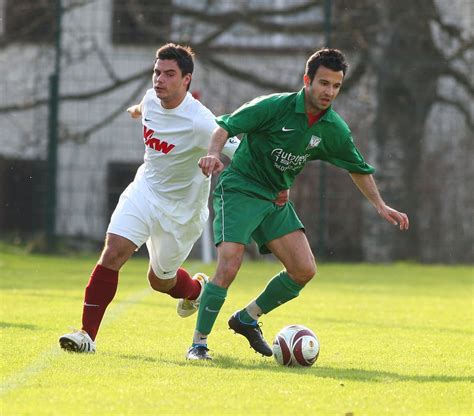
395,339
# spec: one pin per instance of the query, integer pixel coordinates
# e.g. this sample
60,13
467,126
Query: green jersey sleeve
349,158
248,118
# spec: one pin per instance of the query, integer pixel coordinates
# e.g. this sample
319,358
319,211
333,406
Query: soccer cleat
77,341
252,332
186,307
198,352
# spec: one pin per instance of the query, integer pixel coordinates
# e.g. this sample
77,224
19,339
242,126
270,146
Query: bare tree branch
105,62
460,107
451,30
356,73
460,78
83,136
463,48
253,50
251,78
213,36
246,76
255,18
28,105
308,27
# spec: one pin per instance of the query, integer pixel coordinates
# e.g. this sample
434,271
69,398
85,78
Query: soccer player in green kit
281,133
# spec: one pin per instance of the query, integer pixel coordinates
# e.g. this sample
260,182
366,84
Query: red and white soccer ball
296,346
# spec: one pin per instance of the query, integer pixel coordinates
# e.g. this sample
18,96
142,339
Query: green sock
279,290
212,300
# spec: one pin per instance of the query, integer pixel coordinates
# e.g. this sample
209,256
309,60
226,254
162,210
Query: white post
206,244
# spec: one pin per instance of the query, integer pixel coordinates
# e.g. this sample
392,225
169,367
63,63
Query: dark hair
330,58
183,55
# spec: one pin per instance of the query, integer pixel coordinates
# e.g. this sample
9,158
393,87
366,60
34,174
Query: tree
409,63
399,58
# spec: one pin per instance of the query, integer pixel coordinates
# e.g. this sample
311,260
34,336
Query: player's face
325,87
168,82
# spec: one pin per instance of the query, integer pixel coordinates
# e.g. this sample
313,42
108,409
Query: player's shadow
373,376
22,326
340,374
343,374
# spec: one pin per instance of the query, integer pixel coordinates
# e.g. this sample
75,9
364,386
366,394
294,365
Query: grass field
395,339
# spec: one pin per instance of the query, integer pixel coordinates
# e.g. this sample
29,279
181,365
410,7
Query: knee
226,272
110,253
116,252
113,257
304,272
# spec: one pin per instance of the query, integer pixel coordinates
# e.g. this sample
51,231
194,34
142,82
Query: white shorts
168,243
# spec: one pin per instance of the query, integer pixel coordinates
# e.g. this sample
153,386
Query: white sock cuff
254,310
199,338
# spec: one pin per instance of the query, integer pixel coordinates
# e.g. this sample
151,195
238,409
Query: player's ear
188,79
306,80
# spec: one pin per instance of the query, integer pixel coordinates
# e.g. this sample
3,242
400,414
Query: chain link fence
420,143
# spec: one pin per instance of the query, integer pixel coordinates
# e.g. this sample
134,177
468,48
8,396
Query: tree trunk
406,90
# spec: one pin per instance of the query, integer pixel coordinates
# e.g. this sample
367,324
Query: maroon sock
185,286
99,293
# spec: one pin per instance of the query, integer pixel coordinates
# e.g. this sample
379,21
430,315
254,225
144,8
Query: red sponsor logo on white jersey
154,143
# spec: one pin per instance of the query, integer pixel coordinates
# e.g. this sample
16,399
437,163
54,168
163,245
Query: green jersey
277,141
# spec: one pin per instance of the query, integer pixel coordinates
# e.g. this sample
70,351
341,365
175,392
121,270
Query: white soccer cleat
77,341
186,307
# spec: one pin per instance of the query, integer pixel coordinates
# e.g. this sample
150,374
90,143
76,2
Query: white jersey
175,139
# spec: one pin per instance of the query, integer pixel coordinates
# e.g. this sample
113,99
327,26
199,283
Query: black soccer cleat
253,333
198,352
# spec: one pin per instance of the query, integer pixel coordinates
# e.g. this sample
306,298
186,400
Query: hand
210,164
282,198
134,111
394,217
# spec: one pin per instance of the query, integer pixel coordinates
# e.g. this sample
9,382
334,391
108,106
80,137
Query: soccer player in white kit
166,204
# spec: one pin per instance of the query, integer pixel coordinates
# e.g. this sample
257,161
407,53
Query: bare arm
211,163
368,187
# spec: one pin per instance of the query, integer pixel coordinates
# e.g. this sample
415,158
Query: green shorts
242,215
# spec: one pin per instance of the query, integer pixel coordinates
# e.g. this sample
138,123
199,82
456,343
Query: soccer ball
296,346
